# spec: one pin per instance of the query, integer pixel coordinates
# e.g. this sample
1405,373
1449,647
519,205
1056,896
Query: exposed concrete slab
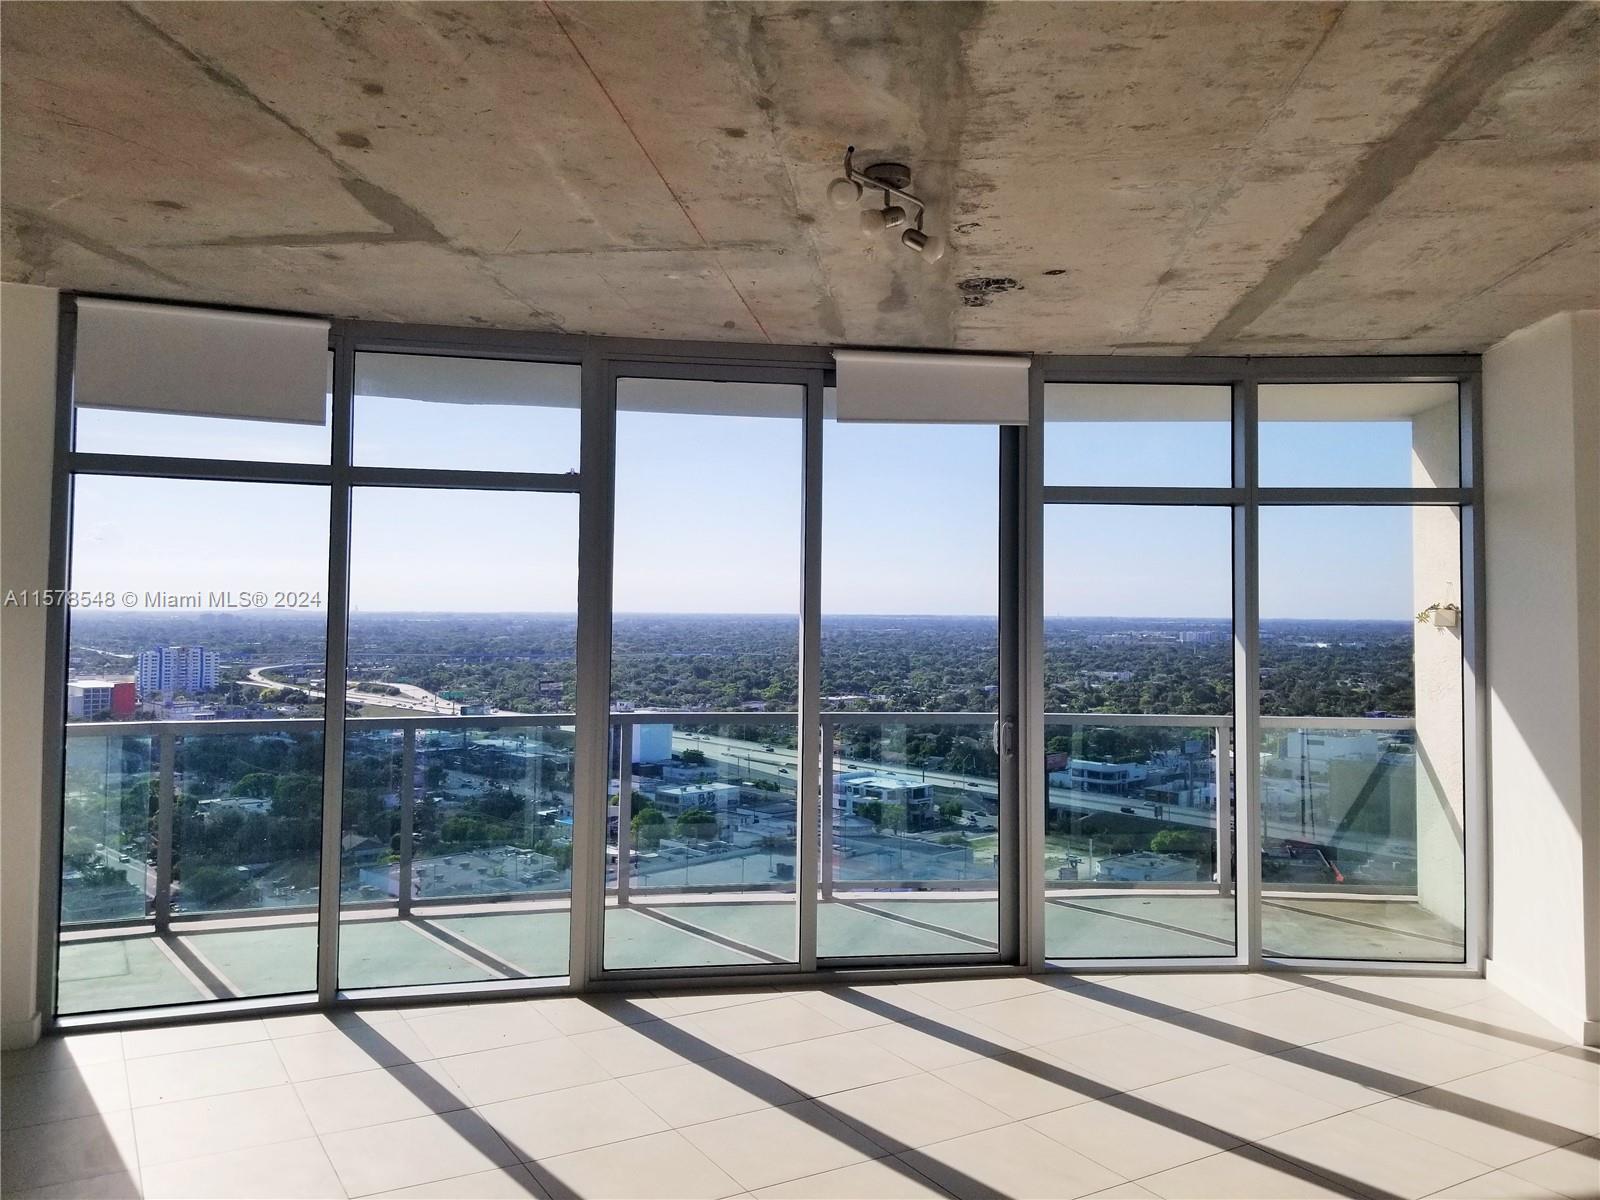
1144,178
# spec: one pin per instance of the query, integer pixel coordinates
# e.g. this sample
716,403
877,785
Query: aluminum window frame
1247,499
602,361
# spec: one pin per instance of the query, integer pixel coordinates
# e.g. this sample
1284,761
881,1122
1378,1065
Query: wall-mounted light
892,180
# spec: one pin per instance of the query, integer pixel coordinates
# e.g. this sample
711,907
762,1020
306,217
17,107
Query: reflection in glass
1138,435
481,414
1362,767
1360,435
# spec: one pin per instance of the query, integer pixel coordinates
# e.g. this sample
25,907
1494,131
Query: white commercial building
681,797
89,698
171,670
851,788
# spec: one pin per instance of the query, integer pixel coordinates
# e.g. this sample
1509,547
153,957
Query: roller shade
965,389
443,380
200,362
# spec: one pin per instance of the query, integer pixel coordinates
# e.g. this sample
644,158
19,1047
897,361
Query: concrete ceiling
1168,178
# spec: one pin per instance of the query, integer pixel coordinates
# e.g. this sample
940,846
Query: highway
411,698
781,762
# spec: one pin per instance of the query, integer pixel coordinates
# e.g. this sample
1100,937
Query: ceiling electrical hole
977,290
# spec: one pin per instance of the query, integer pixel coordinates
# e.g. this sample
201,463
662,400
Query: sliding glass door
912,805
704,772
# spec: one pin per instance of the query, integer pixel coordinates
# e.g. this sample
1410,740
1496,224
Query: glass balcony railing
445,810
911,802
207,835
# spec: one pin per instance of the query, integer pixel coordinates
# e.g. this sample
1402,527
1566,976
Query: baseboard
1571,1021
18,1035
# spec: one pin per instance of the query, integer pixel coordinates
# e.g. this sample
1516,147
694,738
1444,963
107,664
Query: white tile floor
1169,1086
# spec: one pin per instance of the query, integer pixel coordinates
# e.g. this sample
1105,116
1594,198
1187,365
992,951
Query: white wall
1542,523
27,404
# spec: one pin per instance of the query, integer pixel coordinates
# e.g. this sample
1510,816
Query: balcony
192,873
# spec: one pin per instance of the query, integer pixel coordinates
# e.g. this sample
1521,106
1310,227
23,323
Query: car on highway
1126,809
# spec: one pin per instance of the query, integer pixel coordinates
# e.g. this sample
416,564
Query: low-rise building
88,699
674,798
851,788
1145,867
260,805
1101,778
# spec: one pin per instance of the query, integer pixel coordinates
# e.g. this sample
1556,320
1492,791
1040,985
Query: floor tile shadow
1136,1106
1439,1016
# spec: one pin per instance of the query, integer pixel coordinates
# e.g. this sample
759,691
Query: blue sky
709,517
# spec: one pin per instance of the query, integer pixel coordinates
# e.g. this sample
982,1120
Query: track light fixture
931,248
892,180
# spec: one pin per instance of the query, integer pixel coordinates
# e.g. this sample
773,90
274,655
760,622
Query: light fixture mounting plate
889,174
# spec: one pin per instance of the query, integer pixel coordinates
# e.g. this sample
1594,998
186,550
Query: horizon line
320,614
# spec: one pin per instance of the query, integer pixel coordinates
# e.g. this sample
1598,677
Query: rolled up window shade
437,379
966,389
201,362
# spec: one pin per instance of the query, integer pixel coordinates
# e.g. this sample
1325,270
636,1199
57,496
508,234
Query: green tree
649,825
1189,843
698,823
212,886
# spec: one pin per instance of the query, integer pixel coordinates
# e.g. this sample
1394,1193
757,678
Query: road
140,876
782,762
411,698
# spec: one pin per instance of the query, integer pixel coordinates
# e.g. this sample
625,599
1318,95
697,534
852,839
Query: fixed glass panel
706,590
108,832
1138,435
456,849
481,414
1362,765
1138,623
191,849
274,436
910,625
1405,435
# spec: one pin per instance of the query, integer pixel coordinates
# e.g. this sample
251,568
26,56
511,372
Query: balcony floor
260,956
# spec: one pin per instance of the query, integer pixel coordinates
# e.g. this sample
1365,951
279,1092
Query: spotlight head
931,248
893,216
872,222
842,193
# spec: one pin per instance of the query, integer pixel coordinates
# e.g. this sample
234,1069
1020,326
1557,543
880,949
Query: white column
27,399
1542,524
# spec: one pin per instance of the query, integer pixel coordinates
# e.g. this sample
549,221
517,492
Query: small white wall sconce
1444,616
